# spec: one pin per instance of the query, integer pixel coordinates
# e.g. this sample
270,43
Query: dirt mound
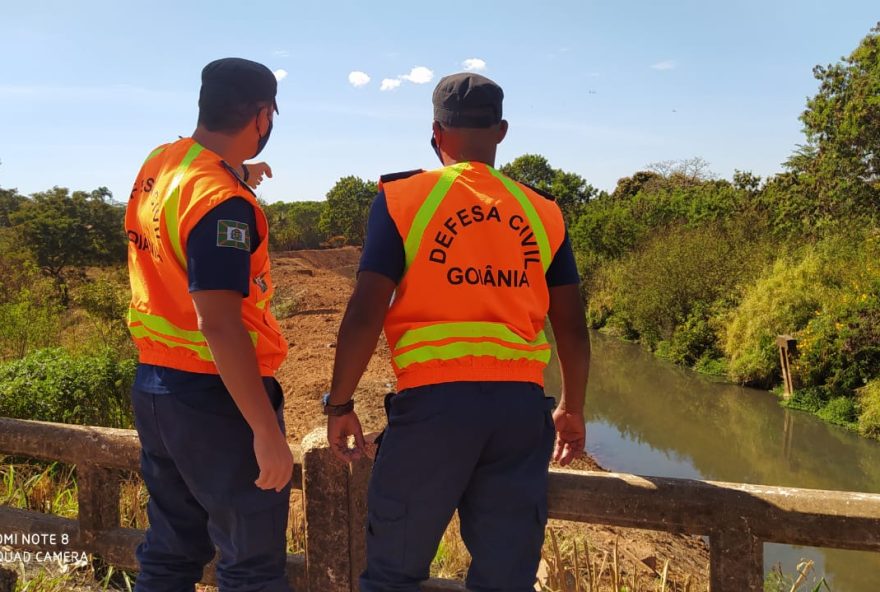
314,286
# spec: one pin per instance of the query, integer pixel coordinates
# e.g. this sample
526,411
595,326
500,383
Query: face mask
261,143
437,150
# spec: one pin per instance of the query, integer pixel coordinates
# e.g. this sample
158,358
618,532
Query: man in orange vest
208,411
475,262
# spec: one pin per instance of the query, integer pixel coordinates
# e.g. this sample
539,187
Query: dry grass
571,563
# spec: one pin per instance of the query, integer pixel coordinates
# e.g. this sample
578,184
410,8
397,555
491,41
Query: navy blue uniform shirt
209,266
384,252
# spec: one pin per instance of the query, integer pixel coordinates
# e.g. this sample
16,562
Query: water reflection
648,417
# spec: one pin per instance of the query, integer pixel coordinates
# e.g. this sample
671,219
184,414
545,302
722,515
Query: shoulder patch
398,176
541,192
234,234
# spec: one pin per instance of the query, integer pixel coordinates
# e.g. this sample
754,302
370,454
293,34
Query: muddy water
648,417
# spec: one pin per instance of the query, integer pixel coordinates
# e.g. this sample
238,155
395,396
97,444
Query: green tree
628,187
532,169
347,208
10,202
842,125
295,225
572,192
64,230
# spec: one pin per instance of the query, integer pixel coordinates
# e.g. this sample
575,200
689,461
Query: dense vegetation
707,272
704,271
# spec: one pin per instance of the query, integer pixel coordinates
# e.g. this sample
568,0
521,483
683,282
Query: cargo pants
199,467
482,448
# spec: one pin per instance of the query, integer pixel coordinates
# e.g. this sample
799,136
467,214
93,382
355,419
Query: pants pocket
386,532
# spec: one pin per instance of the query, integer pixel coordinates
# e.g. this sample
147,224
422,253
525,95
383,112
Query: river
649,417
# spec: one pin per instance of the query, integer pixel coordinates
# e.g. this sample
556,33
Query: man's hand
256,171
274,459
339,428
570,435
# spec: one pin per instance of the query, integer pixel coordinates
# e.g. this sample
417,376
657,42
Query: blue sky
600,88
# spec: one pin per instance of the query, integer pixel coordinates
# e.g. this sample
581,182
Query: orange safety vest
178,184
473,299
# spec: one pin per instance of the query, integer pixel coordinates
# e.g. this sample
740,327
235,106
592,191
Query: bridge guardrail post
359,478
327,516
736,560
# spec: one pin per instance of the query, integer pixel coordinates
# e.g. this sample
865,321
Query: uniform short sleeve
383,251
219,247
563,269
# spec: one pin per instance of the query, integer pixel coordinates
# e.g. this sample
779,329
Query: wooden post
787,349
327,516
359,479
8,580
98,497
736,560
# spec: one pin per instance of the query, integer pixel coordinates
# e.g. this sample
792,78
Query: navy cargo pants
199,466
482,448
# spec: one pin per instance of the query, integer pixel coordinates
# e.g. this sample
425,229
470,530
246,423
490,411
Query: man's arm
219,278
355,344
219,313
380,269
359,333
252,173
573,348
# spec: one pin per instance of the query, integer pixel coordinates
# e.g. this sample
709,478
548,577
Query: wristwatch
336,410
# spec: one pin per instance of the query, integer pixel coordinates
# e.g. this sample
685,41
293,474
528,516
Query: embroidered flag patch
233,234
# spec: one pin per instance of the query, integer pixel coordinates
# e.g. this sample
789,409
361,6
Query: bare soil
316,285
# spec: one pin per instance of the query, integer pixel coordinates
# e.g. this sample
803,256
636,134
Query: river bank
648,416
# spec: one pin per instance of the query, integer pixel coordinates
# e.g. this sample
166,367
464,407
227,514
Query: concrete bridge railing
737,518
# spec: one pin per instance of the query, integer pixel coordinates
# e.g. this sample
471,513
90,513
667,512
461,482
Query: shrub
53,385
27,323
675,279
692,340
840,411
810,399
828,296
101,321
869,418
781,301
711,366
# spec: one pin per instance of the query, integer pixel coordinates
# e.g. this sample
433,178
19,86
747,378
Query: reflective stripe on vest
441,189
534,219
172,202
427,210
162,330
154,153
446,341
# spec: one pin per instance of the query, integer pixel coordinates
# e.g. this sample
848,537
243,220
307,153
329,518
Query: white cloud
474,65
280,74
664,65
389,84
358,78
419,75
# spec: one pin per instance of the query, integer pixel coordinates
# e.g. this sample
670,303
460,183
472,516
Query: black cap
229,82
467,100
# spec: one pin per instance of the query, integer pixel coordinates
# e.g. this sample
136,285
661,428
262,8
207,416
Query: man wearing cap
208,411
475,263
